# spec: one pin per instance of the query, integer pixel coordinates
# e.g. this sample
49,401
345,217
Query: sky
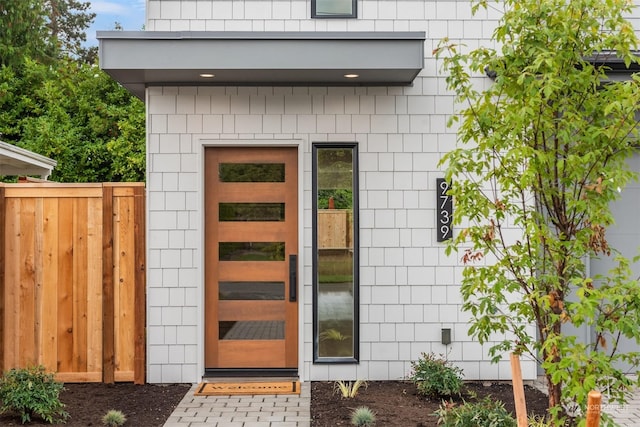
129,13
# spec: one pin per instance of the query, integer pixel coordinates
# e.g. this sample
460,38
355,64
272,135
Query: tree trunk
555,391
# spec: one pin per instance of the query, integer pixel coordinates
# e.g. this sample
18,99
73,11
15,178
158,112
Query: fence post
593,408
3,221
139,215
108,307
518,391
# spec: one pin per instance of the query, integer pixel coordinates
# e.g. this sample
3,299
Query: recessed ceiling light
352,76
207,75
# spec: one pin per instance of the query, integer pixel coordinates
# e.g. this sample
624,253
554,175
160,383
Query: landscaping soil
147,405
397,404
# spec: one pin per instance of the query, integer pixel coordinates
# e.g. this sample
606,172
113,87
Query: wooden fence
335,229
72,280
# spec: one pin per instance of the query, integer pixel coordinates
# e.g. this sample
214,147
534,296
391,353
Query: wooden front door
251,231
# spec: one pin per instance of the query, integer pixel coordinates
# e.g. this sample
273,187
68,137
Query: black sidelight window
335,250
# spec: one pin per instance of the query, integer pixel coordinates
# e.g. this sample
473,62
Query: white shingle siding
409,288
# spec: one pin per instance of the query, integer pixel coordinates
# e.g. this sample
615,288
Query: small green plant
484,413
32,391
434,376
537,421
114,418
349,389
332,335
363,417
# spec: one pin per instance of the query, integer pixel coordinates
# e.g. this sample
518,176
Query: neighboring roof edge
611,60
608,59
29,162
35,157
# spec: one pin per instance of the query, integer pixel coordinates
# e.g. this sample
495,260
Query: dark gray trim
138,59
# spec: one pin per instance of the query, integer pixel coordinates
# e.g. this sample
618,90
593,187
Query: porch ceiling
138,59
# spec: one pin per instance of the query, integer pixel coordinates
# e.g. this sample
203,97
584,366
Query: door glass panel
251,172
251,251
335,266
251,211
251,291
252,330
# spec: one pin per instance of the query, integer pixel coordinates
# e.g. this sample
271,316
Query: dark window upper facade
333,9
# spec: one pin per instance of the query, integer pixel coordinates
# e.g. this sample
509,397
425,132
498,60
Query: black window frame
356,253
354,14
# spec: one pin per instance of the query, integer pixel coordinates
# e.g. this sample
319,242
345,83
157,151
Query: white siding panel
409,288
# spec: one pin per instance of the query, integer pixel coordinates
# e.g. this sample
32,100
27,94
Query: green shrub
484,413
32,391
434,376
363,417
114,418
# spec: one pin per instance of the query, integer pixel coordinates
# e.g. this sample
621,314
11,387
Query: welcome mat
247,388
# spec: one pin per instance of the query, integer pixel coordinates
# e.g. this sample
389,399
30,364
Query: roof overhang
16,161
138,59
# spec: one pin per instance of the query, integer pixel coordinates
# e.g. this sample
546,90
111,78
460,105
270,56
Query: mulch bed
147,405
397,404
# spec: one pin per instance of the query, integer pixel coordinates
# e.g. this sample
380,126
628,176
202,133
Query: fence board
94,291
108,311
49,347
38,276
65,286
26,295
11,307
80,285
59,303
124,286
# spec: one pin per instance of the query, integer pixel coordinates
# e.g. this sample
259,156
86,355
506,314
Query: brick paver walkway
625,415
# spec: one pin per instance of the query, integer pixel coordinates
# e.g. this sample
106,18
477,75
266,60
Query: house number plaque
445,210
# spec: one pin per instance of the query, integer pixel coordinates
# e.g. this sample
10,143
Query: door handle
293,278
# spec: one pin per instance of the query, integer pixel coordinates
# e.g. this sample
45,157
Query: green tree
54,101
23,32
44,30
77,115
543,154
67,22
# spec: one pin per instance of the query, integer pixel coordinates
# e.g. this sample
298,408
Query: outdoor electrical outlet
446,336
